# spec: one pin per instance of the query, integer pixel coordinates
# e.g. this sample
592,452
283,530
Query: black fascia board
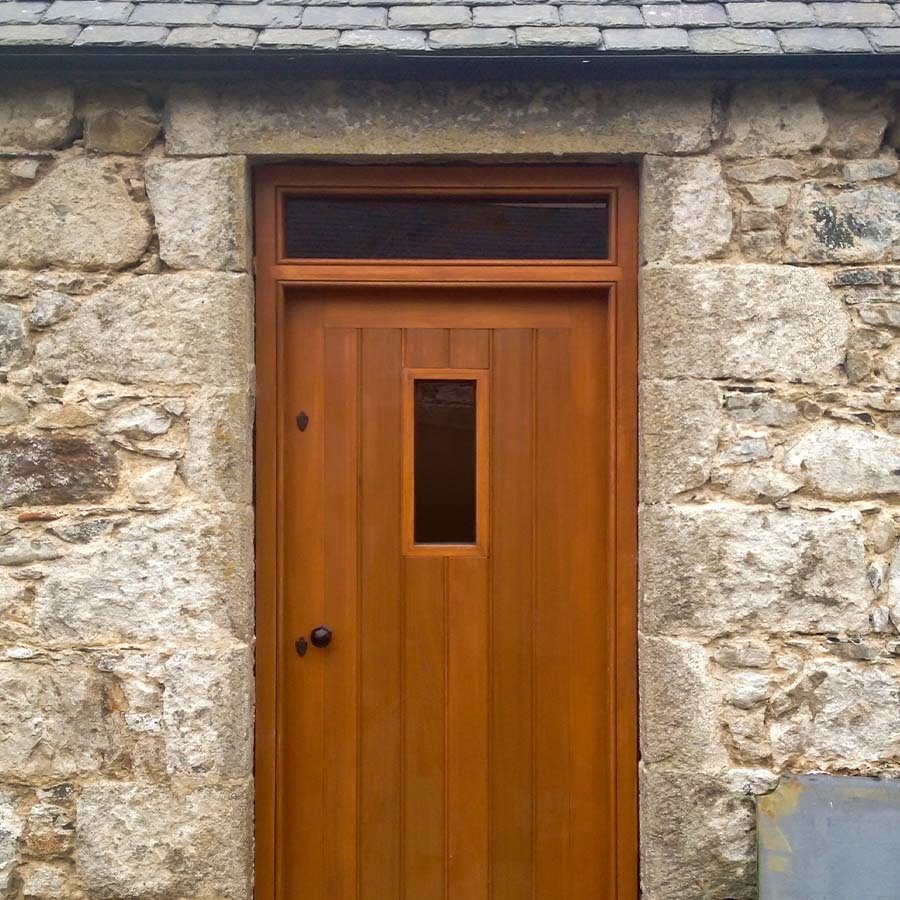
519,65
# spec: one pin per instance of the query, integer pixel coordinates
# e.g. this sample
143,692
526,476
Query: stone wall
126,686
770,437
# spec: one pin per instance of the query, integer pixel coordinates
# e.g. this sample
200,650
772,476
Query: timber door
450,652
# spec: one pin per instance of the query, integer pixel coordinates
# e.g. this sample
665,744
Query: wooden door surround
471,731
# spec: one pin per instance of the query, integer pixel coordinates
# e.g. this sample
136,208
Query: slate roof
656,27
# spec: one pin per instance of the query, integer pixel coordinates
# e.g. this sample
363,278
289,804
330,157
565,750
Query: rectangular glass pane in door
444,461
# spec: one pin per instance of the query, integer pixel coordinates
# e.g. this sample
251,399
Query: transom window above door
472,228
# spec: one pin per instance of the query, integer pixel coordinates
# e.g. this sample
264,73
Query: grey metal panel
829,837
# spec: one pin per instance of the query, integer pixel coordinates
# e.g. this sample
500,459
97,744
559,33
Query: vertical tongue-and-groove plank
468,643
424,699
300,693
593,623
552,616
511,627
341,660
380,747
424,722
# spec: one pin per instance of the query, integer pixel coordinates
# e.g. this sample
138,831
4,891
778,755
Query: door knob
320,636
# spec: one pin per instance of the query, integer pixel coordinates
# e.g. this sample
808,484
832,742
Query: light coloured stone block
13,347
724,568
431,117
11,827
218,464
13,408
697,837
80,214
780,119
679,433
679,706
208,710
119,120
870,169
53,721
184,574
740,321
846,463
49,308
857,120
139,839
201,210
759,483
186,328
36,115
843,716
685,209
46,882
893,592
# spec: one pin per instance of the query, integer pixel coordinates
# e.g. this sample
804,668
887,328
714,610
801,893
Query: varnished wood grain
300,698
381,618
468,728
424,728
555,532
427,347
512,615
470,348
340,733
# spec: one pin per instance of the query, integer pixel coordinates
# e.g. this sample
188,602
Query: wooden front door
452,715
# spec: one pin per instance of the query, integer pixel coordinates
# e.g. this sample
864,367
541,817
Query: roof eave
518,64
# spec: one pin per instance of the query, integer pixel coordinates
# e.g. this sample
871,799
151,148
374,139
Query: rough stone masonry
770,441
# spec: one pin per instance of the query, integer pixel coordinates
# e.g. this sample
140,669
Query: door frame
617,276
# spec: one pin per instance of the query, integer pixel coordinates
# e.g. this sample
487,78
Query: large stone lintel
417,118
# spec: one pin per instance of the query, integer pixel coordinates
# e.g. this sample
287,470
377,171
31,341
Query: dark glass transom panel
444,462
435,228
